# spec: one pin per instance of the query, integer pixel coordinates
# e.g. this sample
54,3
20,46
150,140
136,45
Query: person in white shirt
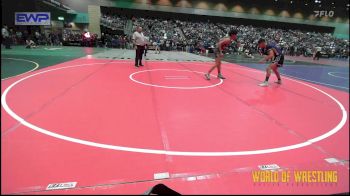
139,43
6,37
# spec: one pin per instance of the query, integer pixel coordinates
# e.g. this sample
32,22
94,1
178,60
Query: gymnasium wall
285,13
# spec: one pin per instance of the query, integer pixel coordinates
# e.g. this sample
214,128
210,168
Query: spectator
30,44
6,37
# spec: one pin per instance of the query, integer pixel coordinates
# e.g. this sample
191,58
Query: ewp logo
32,18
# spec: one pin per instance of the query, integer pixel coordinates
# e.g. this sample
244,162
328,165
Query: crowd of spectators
113,22
201,36
165,33
116,41
21,37
80,38
57,38
72,36
190,36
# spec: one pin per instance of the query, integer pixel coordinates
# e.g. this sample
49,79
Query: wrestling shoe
221,77
264,84
207,76
278,82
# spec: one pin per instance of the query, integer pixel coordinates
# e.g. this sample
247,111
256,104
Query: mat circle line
333,74
36,67
131,76
165,152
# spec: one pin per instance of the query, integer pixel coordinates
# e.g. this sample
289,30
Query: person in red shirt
220,46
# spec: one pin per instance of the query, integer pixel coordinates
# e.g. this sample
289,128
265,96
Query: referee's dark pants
139,53
7,42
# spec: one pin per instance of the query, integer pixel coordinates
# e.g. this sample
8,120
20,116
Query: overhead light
305,3
291,2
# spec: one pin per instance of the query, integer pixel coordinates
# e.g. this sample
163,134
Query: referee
139,41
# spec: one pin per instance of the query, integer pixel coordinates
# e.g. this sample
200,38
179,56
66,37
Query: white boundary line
36,67
343,87
174,87
52,49
237,61
164,152
331,74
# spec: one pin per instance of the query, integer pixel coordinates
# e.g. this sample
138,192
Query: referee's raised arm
139,43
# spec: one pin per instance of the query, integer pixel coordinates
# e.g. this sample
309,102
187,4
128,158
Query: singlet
270,47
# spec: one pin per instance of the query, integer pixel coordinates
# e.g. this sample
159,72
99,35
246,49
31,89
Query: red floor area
172,109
